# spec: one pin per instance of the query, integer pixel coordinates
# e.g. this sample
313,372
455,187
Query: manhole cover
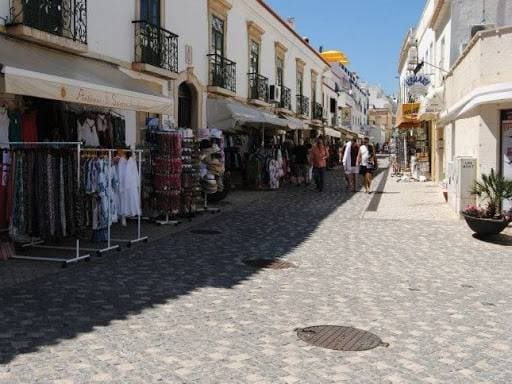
340,338
268,263
205,232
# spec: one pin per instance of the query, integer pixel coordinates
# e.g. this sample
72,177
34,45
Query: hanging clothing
14,126
29,127
129,188
4,127
87,133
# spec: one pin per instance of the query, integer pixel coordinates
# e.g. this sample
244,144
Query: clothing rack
36,243
139,237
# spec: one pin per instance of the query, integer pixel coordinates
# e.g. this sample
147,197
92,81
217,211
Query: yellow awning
407,115
335,57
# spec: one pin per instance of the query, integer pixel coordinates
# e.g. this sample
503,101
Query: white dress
129,202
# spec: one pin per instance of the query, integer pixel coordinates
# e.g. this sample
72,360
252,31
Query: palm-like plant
493,189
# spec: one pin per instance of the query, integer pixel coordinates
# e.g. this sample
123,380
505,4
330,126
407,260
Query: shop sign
417,85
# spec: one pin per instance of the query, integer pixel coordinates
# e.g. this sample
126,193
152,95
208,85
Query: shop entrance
186,107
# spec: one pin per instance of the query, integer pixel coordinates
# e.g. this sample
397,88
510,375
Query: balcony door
150,11
218,32
151,36
46,18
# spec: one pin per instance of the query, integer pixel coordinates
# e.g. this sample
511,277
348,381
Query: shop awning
432,104
30,70
332,132
230,115
407,115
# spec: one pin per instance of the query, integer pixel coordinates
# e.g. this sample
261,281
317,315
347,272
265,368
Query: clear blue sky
370,32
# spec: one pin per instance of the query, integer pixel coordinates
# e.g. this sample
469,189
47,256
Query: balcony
286,99
55,23
156,49
334,121
222,75
258,88
302,106
318,111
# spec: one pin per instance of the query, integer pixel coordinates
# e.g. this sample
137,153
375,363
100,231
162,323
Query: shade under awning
232,116
30,70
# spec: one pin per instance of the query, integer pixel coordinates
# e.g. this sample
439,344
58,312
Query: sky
369,32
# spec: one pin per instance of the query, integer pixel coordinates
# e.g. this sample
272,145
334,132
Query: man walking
319,156
349,159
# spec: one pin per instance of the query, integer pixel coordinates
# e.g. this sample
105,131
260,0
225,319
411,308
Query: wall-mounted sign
417,85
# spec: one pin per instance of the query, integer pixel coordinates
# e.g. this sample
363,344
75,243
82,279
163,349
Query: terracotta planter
485,227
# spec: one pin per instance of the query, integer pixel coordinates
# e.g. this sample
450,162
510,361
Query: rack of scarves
40,195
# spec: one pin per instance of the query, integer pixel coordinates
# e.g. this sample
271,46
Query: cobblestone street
185,309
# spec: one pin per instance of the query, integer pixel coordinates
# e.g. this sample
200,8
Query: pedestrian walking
367,162
349,159
301,164
319,156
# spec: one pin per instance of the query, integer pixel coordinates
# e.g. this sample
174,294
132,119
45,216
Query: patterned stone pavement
187,310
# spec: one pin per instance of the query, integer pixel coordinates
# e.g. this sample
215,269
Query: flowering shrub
474,211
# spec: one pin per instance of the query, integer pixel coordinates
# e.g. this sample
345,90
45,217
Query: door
184,106
506,150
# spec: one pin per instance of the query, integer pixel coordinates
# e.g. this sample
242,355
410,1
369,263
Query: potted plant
492,190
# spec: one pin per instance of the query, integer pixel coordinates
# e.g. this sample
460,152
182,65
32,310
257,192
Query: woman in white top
367,161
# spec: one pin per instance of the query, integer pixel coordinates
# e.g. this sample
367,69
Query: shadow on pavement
500,239
61,306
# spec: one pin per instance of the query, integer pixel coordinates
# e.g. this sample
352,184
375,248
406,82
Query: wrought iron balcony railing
334,121
222,72
286,98
258,87
155,46
65,18
302,105
317,111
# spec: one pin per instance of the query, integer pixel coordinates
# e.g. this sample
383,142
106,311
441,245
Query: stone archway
189,89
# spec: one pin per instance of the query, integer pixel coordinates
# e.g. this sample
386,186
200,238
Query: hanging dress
129,188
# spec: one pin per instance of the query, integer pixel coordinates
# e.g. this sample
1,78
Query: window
280,71
300,82
254,57
313,91
150,11
218,27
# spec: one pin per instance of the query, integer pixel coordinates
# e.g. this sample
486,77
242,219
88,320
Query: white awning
295,124
332,132
30,70
492,94
230,115
432,104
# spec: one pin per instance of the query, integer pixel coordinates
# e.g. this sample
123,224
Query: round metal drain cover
269,263
340,338
205,232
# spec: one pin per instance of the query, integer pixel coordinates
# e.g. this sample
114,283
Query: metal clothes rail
77,257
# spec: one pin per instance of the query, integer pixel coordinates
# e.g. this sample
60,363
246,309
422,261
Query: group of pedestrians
310,163
359,160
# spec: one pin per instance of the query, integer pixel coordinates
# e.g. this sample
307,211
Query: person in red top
319,156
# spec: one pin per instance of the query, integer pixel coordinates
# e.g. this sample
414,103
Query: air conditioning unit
275,94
